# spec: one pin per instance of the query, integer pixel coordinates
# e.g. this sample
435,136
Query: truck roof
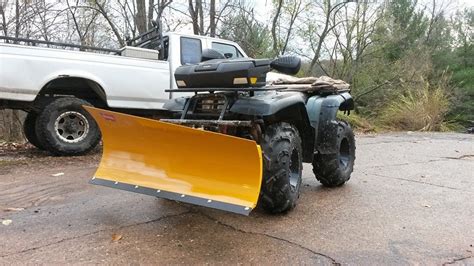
197,36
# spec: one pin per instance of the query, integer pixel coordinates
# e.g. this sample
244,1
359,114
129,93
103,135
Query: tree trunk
201,17
17,18
193,12
274,25
212,17
4,20
151,4
140,17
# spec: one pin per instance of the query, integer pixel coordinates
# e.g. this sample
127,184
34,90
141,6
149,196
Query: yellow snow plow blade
178,163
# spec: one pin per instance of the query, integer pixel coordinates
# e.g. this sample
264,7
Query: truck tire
333,170
282,172
29,130
64,128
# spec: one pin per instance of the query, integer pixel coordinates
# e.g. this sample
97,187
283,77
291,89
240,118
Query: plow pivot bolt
136,186
158,191
209,201
182,196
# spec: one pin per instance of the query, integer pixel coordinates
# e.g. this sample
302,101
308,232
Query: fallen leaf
14,209
116,237
6,222
57,174
427,206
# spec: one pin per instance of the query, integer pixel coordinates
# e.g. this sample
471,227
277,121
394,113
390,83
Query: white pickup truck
52,84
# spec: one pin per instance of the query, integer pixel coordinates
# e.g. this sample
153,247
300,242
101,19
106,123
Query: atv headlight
240,81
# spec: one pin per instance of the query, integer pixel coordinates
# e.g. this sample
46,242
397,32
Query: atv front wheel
282,162
65,128
333,170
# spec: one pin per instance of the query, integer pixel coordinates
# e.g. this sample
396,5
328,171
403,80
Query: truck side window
190,51
226,49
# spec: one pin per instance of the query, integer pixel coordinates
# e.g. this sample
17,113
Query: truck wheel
29,130
65,128
333,170
282,162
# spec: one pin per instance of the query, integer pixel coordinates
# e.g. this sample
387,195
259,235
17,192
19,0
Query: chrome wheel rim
71,127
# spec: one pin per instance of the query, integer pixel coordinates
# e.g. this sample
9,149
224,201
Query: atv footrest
236,123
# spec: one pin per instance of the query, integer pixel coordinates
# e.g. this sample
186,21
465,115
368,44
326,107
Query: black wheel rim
294,169
344,154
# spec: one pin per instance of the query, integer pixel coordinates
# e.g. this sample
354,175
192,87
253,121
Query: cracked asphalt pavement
410,201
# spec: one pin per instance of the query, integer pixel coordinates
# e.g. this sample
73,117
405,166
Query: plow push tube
177,162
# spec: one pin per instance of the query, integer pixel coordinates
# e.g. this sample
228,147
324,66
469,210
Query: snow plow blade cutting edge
177,162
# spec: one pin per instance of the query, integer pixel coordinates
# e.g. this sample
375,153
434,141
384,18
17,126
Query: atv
234,142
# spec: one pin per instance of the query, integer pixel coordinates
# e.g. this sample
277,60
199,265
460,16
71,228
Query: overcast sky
262,7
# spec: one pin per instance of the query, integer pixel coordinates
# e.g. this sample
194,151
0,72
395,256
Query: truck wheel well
296,115
81,88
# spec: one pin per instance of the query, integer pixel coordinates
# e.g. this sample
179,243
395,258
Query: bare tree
294,9
329,11
276,16
102,10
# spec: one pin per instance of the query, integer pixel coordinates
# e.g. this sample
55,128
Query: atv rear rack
187,122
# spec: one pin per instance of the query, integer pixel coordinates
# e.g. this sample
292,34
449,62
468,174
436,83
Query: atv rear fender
314,118
322,113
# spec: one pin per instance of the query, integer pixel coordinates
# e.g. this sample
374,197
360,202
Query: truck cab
187,49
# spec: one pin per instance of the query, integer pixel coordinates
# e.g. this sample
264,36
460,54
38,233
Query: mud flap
177,162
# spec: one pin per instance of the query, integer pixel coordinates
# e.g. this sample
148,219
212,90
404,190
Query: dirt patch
14,154
30,177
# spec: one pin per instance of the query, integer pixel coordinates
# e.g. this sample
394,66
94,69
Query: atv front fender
266,103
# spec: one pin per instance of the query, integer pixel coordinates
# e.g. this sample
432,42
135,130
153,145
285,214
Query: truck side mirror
209,54
287,64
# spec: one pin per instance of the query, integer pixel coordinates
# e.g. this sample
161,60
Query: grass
422,109
357,122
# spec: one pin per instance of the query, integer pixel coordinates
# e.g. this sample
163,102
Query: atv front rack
284,88
246,89
208,105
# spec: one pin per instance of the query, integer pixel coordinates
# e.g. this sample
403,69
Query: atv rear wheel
65,128
333,170
29,130
282,162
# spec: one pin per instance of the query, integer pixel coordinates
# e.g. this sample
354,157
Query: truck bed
25,71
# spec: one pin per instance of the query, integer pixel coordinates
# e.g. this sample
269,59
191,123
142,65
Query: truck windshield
226,49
